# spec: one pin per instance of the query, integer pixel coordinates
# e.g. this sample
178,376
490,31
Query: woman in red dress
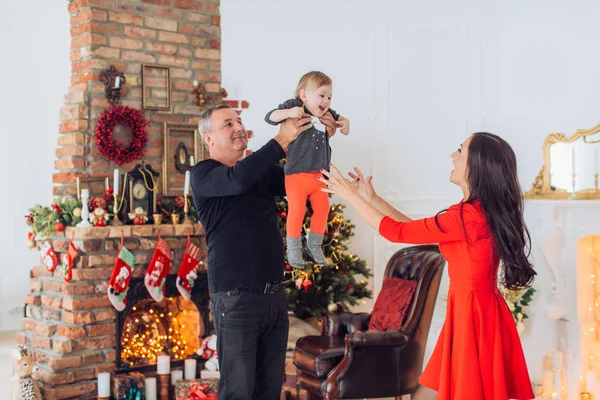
478,355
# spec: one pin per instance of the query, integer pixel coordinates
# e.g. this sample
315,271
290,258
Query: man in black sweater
234,197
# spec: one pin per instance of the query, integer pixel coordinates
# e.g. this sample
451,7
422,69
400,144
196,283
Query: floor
7,342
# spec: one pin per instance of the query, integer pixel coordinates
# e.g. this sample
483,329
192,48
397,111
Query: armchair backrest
423,264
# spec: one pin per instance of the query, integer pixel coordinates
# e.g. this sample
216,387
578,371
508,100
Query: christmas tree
319,290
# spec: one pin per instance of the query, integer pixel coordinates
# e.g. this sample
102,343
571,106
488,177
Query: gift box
196,389
129,386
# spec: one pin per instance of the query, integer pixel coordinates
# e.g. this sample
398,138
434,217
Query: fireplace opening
174,326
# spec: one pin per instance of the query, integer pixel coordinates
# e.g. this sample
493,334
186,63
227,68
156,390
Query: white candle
590,381
176,375
150,388
190,369
573,159
557,360
547,380
116,181
85,193
163,365
104,384
192,161
195,83
186,186
117,81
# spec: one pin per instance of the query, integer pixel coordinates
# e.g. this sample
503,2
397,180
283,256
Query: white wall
35,72
415,78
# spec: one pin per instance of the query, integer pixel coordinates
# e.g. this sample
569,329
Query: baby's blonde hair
316,78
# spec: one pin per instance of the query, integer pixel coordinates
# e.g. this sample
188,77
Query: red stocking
158,269
67,261
118,286
188,270
48,256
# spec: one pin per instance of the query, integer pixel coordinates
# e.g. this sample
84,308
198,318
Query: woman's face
459,174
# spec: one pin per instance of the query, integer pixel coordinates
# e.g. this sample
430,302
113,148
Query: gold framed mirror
571,167
156,87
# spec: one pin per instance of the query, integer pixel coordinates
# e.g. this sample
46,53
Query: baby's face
317,100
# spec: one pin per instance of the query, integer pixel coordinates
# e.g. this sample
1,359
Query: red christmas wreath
109,147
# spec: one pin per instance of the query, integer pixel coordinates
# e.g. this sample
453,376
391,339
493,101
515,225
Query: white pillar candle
163,365
176,375
192,160
557,360
150,388
590,381
547,380
117,81
116,181
104,384
573,159
190,368
186,187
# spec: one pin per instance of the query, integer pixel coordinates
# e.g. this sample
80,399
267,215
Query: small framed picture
156,87
182,149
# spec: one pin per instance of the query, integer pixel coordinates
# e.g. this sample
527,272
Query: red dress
478,355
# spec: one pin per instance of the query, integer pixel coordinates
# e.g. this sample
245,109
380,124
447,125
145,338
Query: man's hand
344,124
295,113
290,129
330,124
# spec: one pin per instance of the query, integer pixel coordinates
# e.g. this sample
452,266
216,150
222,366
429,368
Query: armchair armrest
377,338
345,323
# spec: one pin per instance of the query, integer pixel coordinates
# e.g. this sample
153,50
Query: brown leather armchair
349,361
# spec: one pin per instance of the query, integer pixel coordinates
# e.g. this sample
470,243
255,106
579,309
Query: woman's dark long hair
492,179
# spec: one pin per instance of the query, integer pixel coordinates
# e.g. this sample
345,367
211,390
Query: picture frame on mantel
156,87
180,141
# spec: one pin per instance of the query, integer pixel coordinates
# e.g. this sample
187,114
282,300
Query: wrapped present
197,389
129,386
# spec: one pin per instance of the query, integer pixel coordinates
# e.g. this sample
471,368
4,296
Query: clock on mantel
141,190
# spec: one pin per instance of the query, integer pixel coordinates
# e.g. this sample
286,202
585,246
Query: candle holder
175,218
585,396
116,208
157,219
201,98
164,384
103,398
573,195
113,81
85,211
186,218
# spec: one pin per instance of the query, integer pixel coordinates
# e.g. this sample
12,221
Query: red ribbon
198,393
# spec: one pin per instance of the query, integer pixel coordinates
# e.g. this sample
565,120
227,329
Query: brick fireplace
71,328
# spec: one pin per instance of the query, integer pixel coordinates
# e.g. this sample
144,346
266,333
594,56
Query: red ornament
288,267
59,227
108,147
306,285
30,235
56,208
109,195
283,214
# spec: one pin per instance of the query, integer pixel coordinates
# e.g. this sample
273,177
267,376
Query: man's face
227,132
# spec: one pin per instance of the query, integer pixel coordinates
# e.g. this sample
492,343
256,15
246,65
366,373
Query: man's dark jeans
252,333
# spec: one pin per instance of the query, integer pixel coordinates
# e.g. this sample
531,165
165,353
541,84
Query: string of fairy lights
149,332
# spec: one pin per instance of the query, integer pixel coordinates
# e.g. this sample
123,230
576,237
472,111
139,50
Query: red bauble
56,208
283,214
59,227
288,267
306,285
30,235
108,147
